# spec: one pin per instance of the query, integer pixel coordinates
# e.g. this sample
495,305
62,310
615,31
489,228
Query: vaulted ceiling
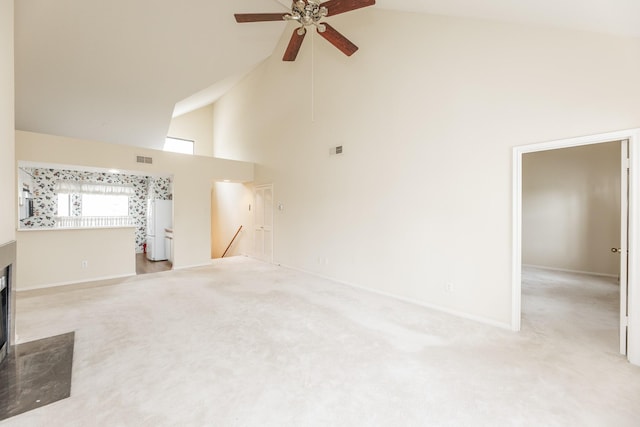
114,70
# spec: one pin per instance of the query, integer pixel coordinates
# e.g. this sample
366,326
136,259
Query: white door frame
624,243
633,136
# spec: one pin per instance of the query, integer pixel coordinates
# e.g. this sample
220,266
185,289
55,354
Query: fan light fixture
309,13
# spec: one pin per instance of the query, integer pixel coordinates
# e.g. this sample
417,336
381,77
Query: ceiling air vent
142,159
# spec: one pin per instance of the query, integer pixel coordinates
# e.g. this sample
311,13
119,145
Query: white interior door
263,220
624,245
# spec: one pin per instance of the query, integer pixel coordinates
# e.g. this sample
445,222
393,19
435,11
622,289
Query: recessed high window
178,145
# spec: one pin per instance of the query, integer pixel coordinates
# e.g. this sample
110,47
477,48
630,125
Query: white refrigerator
159,217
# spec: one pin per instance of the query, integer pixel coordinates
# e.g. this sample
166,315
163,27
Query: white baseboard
184,267
565,270
456,313
75,284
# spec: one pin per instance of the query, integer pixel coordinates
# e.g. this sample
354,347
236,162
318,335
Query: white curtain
92,188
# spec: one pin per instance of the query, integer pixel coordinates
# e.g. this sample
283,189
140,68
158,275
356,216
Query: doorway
628,318
571,232
231,219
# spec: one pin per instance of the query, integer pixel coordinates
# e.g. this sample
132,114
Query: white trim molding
633,136
74,285
461,314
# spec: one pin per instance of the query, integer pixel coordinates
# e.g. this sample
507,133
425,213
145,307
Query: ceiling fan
308,13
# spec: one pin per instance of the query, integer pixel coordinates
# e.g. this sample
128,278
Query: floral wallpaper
45,199
160,189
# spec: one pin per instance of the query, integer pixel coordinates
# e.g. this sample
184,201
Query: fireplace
4,313
7,261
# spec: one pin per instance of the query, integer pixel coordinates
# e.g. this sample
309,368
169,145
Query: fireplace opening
4,312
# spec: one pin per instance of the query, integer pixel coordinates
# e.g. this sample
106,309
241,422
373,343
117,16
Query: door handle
616,250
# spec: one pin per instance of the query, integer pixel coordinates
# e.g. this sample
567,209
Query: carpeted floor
243,343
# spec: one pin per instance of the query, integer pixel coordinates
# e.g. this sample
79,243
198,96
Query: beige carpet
244,343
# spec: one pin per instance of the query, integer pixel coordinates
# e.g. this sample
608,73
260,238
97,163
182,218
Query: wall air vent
142,159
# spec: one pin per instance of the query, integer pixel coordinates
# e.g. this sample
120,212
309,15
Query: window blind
75,187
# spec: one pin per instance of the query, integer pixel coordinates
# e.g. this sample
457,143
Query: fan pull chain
313,77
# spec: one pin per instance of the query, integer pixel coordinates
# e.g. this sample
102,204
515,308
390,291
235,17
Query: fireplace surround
4,313
7,297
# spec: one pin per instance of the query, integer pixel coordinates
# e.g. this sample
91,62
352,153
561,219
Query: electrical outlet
449,287
323,260
84,264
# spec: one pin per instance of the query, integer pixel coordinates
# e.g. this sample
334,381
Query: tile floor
36,374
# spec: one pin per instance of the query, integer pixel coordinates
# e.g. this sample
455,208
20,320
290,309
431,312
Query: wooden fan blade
338,40
294,46
341,6
258,17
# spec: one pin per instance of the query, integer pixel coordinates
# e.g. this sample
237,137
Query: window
82,204
105,205
64,204
178,145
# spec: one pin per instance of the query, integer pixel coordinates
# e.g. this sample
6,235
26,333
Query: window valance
75,187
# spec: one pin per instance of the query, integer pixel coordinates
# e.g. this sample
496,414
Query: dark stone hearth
35,374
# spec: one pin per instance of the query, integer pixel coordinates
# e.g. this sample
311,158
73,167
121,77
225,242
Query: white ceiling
620,17
114,70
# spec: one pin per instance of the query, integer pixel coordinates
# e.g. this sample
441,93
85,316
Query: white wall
196,126
55,257
230,209
229,201
428,111
193,177
7,125
571,208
